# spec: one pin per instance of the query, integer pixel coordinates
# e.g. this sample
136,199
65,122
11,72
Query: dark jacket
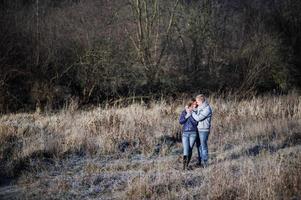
189,124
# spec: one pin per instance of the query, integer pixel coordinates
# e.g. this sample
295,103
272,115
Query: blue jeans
188,140
203,146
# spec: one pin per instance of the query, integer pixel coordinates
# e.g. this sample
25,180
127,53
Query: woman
189,131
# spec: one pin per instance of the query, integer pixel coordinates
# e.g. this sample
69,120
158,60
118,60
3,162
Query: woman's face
194,105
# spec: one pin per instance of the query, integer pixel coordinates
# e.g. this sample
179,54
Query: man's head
200,99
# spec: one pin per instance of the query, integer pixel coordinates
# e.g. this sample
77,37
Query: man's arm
201,115
193,121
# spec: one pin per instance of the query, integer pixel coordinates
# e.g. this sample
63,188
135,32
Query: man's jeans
203,147
188,140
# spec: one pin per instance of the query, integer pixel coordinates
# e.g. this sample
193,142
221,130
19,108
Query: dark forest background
52,51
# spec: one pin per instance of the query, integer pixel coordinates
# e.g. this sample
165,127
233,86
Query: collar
205,104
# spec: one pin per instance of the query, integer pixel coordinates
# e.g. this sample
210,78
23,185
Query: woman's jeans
203,147
188,140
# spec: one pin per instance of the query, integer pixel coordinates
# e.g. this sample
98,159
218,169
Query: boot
200,164
184,162
188,161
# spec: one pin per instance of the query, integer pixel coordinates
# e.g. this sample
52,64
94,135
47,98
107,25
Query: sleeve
201,115
193,121
183,117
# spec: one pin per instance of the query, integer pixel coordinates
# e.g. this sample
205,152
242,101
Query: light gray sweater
203,116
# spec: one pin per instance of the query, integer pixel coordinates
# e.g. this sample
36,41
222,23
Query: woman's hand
188,109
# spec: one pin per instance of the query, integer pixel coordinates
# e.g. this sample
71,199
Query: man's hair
201,97
190,102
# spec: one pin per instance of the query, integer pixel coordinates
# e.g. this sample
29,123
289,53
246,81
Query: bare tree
150,36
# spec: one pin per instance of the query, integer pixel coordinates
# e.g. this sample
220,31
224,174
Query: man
203,117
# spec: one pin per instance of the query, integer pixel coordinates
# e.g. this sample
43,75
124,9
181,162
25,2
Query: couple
196,121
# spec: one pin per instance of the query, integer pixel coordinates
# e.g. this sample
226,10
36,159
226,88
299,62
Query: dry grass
134,152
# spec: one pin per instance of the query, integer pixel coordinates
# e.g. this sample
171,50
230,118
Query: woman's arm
183,117
193,121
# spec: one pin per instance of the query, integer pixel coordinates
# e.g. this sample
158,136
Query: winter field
134,152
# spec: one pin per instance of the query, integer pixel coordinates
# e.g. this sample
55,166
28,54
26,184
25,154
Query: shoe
189,168
205,164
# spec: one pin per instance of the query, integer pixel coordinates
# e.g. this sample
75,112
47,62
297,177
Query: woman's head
191,103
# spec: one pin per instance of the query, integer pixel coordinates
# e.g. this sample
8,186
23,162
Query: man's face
199,102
